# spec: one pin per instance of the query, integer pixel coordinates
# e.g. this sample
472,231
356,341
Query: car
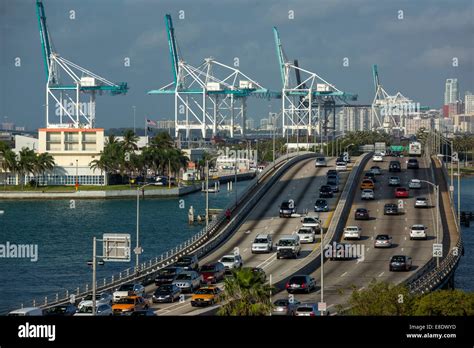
206,296
231,261
306,234
129,304
141,313
291,242
341,166
413,164
352,232
334,186
188,262
421,202
102,310
367,184
285,306
400,263
300,283
166,293
312,221
259,272
287,208
286,254
188,281
332,172
361,214
401,192
228,273
26,312
377,157
390,209
102,298
309,310
64,310
370,175
320,162
129,289
262,243
325,191
394,166
383,241
367,194
332,177
167,275
414,184
394,181
376,170
418,231
212,272
321,205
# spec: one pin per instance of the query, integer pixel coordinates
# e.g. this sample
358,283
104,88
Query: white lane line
381,274
362,288
375,227
246,249
367,249
403,249
405,238
343,274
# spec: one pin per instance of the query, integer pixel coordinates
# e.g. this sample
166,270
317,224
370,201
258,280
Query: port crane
211,97
67,84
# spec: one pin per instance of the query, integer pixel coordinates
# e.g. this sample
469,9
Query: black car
321,205
286,253
370,175
287,208
166,293
332,172
413,164
390,209
400,263
188,262
361,214
61,310
167,275
325,191
394,166
300,283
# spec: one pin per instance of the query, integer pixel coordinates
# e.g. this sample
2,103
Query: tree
129,142
42,163
25,163
445,302
9,162
245,294
162,140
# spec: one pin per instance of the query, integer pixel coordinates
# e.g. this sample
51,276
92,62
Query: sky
412,42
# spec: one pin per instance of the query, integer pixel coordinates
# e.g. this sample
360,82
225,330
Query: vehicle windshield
305,309
310,220
227,259
401,189
382,237
165,288
398,259
421,199
286,242
261,240
60,309
184,276
285,205
320,159
361,210
208,268
418,227
85,309
367,191
168,271
304,231
297,280
126,287
126,300
204,291
320,202
281,303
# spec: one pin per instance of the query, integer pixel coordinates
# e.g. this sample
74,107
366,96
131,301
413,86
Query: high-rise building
250,123
263,123
469,102
451,91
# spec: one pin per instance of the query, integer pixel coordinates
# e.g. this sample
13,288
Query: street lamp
436,188
138,250
451,187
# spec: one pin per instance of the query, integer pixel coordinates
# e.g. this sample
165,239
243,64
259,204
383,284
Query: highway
340,277
300,183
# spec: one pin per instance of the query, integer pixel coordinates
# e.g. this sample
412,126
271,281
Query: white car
100,310
352,232
367,194
341,166
307,234
421,202
231,261
262,244
377,157
320,162
418,232
100,299
312,221
414,184
129,289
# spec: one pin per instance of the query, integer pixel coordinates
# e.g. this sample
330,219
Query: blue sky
414,54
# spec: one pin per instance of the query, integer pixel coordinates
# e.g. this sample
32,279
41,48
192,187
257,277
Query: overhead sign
116,247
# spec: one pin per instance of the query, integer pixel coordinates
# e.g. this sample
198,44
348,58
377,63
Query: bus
414,149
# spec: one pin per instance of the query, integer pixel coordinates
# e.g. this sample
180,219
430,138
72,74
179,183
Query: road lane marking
381,274
343,274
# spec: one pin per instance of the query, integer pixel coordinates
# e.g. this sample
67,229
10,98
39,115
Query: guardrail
200,244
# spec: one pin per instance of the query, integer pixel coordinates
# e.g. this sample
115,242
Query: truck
381,148
414,148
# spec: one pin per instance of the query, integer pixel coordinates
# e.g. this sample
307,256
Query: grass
464,170
73,189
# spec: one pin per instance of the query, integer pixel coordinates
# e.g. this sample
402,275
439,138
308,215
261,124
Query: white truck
380,148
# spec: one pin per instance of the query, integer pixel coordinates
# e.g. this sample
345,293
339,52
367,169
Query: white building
451,91
22,141
469,103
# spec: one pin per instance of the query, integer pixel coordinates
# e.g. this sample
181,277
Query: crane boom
376,77
172,46
280,55
44,36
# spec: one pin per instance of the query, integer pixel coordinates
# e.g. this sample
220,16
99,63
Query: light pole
322,268
451,187
138,249
436,188
134,114
77,175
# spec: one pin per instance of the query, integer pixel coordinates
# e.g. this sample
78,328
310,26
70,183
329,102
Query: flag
151,123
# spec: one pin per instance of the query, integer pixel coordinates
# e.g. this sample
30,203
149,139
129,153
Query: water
464,278
64,238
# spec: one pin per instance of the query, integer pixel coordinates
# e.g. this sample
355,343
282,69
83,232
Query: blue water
464,278
64,238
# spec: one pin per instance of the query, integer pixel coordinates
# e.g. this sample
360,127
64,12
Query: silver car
394,181
100,299
421,202
383,241
188,281
320,162
285,306
309,310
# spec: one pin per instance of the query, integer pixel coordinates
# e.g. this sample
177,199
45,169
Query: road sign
322,306
454,155
116,247
451,188
437,250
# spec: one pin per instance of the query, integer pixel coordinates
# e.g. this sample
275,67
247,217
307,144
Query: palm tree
43,162
9,163
26,163
162,140
129,141
246,294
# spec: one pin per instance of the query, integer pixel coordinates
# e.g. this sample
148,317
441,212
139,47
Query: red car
401,192
212,273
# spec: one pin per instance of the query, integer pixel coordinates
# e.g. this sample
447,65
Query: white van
290,242
26,312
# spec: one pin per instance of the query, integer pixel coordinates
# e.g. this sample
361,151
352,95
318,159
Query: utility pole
94,271
134,116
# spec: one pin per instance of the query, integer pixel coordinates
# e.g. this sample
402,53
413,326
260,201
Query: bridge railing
200,244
